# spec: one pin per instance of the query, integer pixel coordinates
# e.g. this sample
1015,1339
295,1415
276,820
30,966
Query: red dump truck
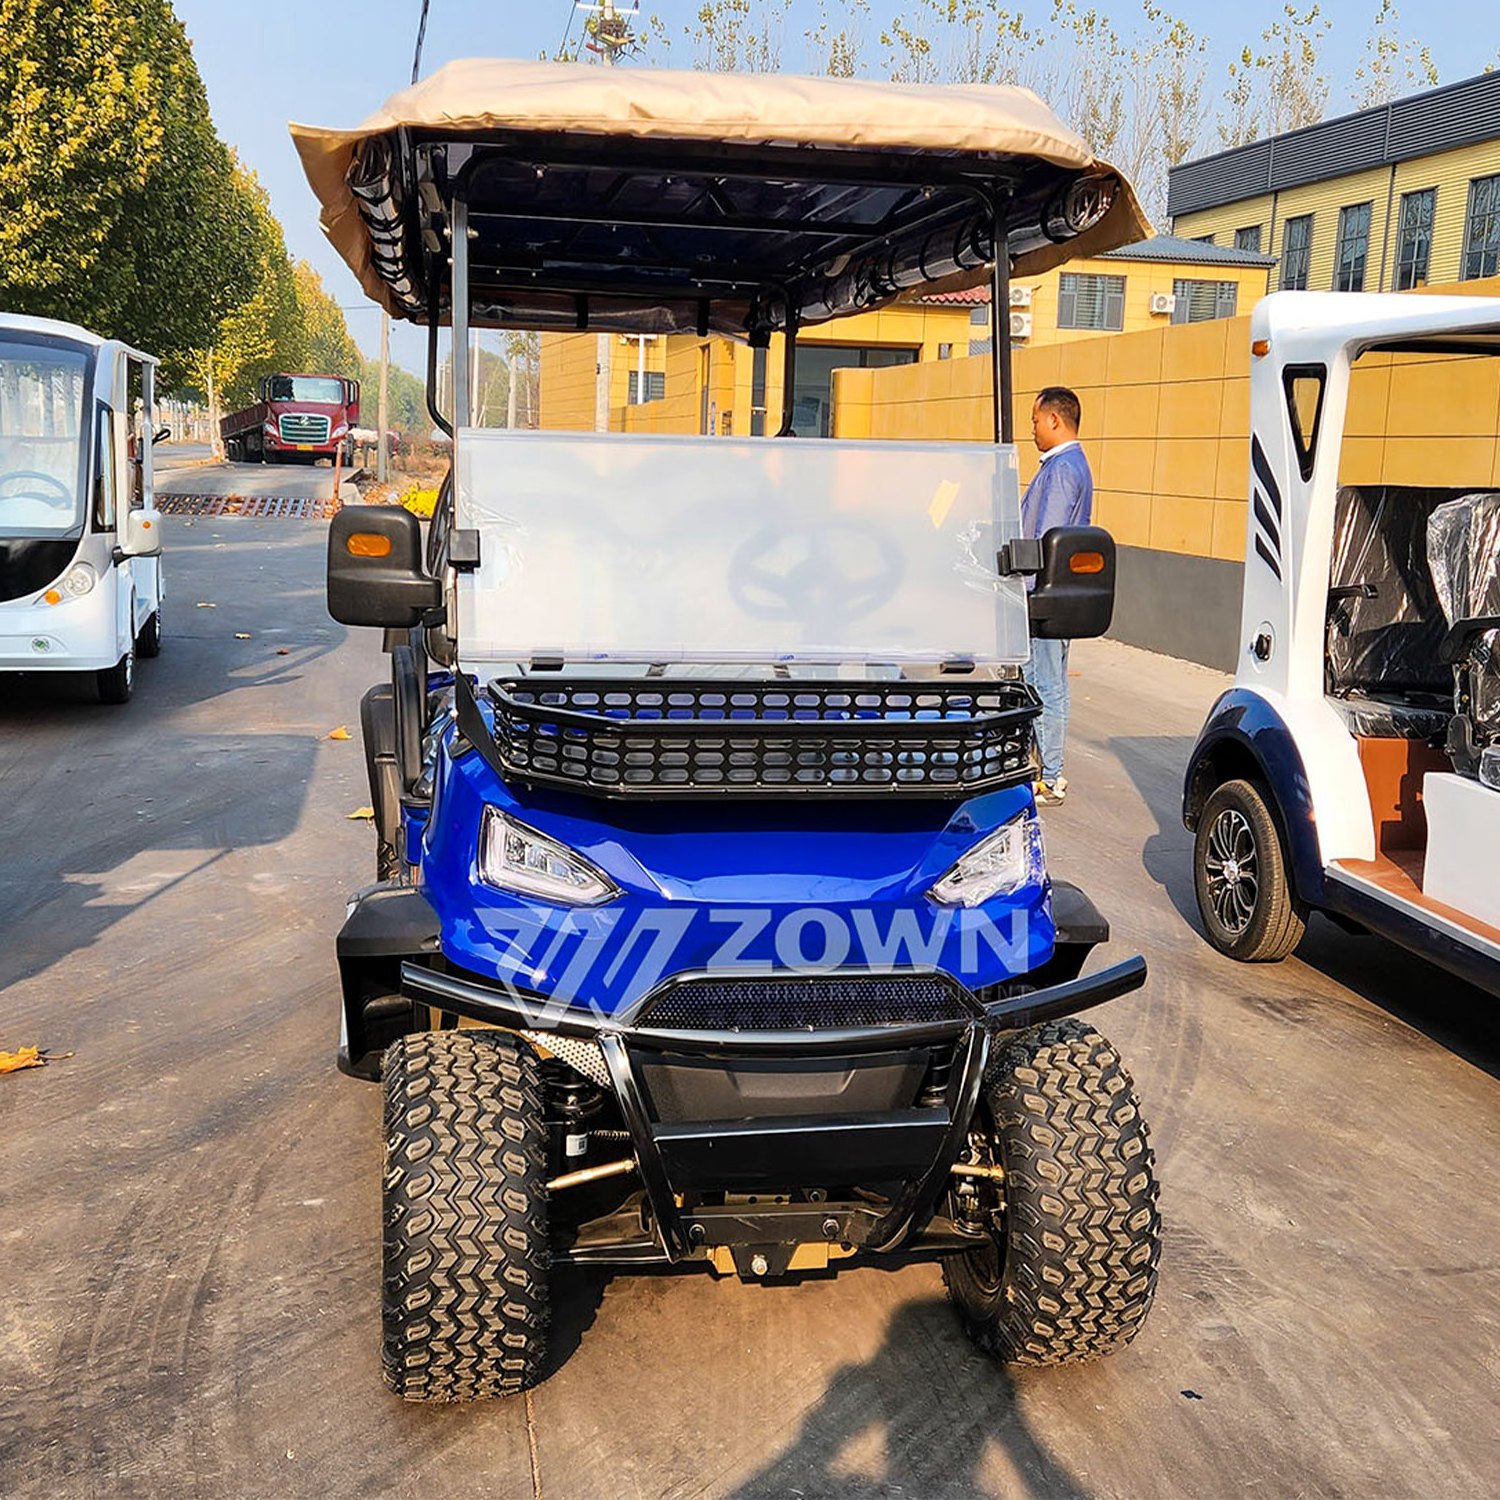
298,417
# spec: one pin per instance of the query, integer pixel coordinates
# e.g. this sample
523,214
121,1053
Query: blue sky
273,61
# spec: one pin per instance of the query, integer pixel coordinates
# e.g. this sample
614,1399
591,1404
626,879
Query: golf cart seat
1463,540
1384,669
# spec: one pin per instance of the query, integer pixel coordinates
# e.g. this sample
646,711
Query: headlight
339,431
513,857
78,581
1009,859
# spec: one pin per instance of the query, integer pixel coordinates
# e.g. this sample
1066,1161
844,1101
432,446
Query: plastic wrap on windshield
1385,621
1463,541
1372,719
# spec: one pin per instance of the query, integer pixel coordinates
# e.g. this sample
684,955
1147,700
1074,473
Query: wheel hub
1232,866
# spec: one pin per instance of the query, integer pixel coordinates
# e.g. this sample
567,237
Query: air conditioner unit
1020,296
1164,303
1020,325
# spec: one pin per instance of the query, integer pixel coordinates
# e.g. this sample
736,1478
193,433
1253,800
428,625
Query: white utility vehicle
80,535
1354,767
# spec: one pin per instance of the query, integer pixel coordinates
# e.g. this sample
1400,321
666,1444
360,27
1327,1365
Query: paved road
300,481
190,1242
168,456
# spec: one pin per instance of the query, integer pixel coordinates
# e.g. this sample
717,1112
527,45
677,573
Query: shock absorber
573,1101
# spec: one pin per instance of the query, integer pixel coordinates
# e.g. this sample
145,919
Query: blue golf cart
713,922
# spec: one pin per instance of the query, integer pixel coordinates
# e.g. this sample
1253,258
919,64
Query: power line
416,60
562,46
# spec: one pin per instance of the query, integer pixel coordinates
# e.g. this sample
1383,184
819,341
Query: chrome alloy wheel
1232,864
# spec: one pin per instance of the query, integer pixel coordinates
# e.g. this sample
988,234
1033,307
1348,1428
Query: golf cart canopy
649,201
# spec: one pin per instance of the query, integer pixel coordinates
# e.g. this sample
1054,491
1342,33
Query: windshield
41,451
307,388
683,549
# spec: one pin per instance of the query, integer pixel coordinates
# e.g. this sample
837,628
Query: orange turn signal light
1260,348
368,544
52,597
1086,562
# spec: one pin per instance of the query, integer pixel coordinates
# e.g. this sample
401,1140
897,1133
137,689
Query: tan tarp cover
745,108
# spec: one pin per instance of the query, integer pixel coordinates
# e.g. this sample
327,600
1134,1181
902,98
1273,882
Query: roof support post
1001,384
789,370
460,222
433,409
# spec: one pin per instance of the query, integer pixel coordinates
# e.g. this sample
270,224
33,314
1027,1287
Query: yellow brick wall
1448,171
1166,422
569,364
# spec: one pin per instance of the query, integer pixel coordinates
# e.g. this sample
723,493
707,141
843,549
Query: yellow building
1401,196
721,386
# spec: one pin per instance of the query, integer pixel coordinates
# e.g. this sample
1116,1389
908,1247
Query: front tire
1069,1272
117,683
1245,896
466,1252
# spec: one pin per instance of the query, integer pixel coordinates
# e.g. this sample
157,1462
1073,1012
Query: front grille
304,427
656,738
812,1002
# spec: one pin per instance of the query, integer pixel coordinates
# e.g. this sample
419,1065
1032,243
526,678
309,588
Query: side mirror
375,574
162,435
142,534
1074,597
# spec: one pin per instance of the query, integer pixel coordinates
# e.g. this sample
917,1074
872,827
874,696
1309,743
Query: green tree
327,347
118,202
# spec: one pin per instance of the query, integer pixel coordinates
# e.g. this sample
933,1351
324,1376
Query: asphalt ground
189,470
189,1248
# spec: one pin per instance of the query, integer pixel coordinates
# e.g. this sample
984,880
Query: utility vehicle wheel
1071,1271
465,1217
148,642
1240,877
116,683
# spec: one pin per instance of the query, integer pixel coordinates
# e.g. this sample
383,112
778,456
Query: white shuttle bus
80,535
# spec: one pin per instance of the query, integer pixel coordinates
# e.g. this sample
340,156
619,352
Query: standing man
1061,494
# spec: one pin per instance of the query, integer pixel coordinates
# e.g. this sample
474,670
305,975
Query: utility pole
382,438
612,35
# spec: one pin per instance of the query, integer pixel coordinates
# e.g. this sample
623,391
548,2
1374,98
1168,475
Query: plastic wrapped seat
1463,550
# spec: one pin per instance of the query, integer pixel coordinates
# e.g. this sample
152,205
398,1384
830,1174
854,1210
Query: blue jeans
1047,672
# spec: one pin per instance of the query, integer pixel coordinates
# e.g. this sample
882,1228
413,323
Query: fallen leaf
26,1057
283,651
204,604
339,734
242,635
362,814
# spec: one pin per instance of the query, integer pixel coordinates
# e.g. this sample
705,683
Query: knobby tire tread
1081,1235
466,1251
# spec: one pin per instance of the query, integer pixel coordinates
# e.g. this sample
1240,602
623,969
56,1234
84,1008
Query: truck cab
297,419
80,535
1354,767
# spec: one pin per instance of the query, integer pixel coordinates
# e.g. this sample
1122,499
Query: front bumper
775,1111
77,635
761,1115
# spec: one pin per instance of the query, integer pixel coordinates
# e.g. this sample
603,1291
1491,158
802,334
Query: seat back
1463,547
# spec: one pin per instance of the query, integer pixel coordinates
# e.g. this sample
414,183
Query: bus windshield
41,448
307,388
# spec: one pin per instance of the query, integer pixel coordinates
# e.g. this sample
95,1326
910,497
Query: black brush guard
770,1149
655,737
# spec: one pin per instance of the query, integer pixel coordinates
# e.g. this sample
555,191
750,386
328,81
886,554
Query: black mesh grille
815,1002
654,737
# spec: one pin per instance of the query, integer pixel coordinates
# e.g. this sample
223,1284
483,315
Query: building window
1203,239
812,405
1296,252
1414,239
1352,248
656,387
945,351
1248,238
1203,301
1482,234
1091,302
979,316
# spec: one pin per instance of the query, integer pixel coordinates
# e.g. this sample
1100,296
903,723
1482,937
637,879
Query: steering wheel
839,571
63,496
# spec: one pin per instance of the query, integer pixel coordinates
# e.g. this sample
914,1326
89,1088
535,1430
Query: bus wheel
148,642
117,682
